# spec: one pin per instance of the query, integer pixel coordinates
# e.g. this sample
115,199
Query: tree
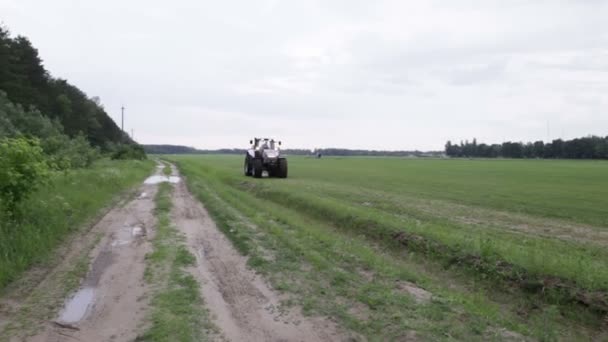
26,82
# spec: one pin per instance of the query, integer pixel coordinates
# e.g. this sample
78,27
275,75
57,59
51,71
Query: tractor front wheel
247,167
257,168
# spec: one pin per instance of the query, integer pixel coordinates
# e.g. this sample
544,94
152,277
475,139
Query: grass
167,170
178,312
70,201
332,235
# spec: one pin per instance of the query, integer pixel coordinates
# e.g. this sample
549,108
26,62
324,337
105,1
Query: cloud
324,73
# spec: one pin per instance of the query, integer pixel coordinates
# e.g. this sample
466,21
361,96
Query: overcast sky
320,73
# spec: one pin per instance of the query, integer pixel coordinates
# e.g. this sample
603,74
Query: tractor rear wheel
257,168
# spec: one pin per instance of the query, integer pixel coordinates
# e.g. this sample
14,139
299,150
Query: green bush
23,169
65,153
125,151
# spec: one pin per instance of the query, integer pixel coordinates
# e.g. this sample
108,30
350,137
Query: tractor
265,155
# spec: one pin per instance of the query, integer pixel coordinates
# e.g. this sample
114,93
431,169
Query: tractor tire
257,168
282,169
247,167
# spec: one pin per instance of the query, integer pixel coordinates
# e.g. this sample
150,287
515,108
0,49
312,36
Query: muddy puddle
160,179
77,306
126,235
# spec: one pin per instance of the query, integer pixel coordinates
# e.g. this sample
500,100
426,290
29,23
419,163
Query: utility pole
132,135
122,118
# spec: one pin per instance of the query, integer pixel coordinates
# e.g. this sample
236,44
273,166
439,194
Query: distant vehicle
265,155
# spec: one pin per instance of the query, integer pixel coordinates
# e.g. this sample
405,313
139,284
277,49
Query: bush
65,153
22,169
129,152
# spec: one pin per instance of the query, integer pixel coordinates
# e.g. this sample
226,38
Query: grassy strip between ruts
178,312
70,200
167,170
344,272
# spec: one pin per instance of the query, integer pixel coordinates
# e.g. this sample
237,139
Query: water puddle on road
126,235
77,306
160,179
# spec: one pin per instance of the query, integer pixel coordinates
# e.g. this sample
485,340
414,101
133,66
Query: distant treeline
26,82
177,149
591,147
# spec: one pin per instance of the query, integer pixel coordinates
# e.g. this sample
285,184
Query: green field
515,244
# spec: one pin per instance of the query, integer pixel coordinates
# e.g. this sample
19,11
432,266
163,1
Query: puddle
126,235
136,231
159,179
143,195
76,307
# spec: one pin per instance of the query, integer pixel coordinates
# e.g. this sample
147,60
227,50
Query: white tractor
265,155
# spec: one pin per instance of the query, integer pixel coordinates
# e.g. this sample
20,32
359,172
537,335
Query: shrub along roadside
23,170
68,201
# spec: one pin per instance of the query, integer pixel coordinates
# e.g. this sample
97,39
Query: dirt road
112,301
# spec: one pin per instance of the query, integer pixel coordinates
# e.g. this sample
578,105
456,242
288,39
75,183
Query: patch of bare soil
243,305
110,303
420,295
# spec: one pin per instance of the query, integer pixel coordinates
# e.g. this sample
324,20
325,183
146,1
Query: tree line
591,147
178,149
26,82
47,125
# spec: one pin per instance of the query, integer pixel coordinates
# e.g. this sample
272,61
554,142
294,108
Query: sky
382,74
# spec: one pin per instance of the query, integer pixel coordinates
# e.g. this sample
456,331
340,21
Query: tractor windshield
265,144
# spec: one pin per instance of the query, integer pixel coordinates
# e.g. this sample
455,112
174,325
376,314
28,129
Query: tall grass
69,201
